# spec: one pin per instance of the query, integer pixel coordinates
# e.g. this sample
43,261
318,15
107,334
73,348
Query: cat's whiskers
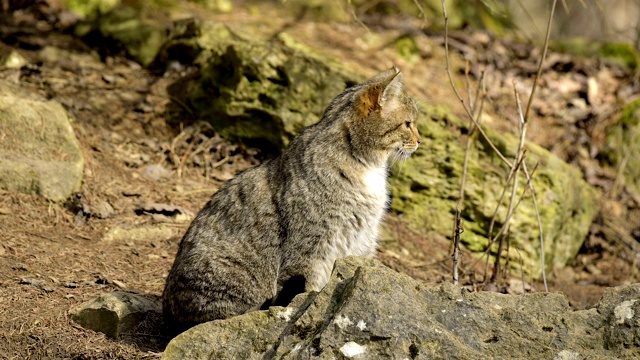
396,156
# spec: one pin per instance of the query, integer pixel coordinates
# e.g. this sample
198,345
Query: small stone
102,209
352,349
122,234
13,60
568,355
155,172
119,284
116,313
31,281
592,91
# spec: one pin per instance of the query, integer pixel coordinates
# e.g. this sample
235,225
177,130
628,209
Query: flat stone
121,234
118,313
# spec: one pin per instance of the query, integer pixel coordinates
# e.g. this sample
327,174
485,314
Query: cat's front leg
318,274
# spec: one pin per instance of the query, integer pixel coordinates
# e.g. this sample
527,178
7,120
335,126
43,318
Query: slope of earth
142,175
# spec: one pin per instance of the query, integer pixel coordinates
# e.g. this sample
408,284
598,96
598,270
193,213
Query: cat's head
385,118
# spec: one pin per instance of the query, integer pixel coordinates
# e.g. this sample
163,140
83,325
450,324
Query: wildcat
276,229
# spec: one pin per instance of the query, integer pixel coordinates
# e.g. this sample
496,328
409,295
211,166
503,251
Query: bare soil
140,172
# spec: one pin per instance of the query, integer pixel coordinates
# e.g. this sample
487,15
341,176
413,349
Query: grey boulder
368,311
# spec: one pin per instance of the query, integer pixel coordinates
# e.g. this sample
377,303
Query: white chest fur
375,181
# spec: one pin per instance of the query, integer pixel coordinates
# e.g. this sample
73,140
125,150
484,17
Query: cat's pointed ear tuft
385,75
380,92
390,96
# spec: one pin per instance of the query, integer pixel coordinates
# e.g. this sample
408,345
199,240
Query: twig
486,252
455,90
422,14
535,206
514,170
525,119
352,11
505,227
544,55
458,229
528,14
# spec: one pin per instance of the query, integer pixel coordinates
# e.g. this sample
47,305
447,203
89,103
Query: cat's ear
385,75
381,92
390,96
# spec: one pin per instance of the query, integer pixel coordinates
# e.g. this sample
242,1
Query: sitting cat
283,224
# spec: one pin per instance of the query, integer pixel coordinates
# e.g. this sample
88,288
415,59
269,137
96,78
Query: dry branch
518,163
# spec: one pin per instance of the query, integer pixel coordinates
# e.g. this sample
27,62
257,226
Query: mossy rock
426,189
260,91
123,30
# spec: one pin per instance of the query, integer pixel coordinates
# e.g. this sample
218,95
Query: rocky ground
142,181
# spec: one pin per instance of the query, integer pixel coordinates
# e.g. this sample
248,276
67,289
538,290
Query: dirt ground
139,174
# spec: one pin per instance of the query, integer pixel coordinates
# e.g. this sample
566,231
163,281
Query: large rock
260,90
39,151
119,314
368,311
426,188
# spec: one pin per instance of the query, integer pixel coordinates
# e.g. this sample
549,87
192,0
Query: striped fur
275,230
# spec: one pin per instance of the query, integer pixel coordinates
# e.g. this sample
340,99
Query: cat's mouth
409,148
406,150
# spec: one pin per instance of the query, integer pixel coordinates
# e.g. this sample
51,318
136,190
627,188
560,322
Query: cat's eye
408,123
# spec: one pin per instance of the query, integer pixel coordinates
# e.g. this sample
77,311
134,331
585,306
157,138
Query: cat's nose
419,140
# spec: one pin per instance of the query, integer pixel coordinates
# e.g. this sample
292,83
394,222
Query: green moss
224,6
426,191
407,48
623,54
619,53
623,145
91,8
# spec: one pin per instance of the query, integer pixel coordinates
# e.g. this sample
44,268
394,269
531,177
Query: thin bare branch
422,14
535,204
518,159
457,231
525,118
458,228
455,89
544,55
531,19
